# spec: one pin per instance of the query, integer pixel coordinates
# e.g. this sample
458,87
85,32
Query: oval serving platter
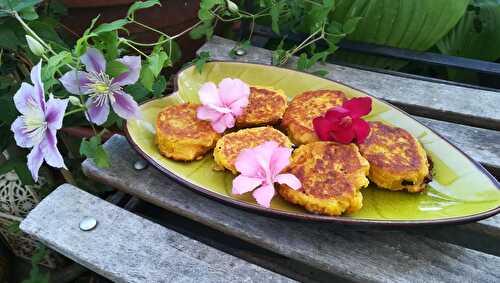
461,190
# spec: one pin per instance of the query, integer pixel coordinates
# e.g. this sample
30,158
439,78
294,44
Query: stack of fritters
331,175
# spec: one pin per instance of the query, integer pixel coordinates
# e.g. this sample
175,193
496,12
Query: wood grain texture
434,100
127,248
359,256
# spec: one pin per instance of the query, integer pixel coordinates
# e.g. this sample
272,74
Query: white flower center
101,88
34,122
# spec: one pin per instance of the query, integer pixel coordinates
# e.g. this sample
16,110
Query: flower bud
74,101
231,6
35,46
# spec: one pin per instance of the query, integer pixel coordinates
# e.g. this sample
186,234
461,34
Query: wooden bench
468,117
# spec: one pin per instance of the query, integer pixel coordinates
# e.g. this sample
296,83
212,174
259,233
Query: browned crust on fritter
229,146
297,120
331,175
265,107
180,135
397,155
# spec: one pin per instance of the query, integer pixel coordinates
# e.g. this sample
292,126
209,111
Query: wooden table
319,252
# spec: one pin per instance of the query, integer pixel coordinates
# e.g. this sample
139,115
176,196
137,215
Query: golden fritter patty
229,146
297,120
331,175
397,160
182,136
265,107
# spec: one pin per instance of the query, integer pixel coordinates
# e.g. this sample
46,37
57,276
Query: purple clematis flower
38,124
102,89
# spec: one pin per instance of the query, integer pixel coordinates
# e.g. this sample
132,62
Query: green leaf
351,24
477,35
8,39
320,73
138,91
54,63
275,12
159,86
139,5
157,61
93,149
302,63
28,13
115,68
18,5
200,61
147,78
116,25
205,29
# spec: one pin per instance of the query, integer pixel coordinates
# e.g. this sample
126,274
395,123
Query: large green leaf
409,24
477,34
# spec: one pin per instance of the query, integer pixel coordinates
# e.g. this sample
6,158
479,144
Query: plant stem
126,41
74,111
28,29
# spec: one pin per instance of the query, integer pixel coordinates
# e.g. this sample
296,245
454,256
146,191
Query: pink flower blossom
344,124
260,168
221,105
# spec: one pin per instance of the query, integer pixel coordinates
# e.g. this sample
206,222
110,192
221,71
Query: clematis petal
359,106
23,98
362,130
93,60
134,69
35,160
97,113
229,120
289,180
36,78
75,82
219,125
280,159
125,106
322,127
231,90
209,95
55,112
207,113
49,149
344,136
20,135
243,184
264,194
246,163
336,114
238,106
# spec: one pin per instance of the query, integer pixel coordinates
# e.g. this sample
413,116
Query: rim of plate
306,215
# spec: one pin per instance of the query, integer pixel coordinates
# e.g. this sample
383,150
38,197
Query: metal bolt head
140,165
88,223
240,52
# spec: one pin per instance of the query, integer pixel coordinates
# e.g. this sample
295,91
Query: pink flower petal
336,114
243,184
219,125
280,160
322,128
264,153
229,120
359,106
344,136
362,130
231,90
238,106
35,160
289,180
246,163
264,195
209,95
207,113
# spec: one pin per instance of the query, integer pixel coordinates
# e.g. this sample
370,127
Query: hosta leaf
409,24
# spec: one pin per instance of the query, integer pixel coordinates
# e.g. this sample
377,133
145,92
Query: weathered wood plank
359,256
127,248
434,100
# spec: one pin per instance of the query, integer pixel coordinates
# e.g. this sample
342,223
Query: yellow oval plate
461,191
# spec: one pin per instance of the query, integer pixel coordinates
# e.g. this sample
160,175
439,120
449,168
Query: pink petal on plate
264,195
231,90
280,159
322,128
206,113
246,163
219,125
209,95
359,106
362,130
336,114
289,180
264,153
238,106
344,136
243,184
229,120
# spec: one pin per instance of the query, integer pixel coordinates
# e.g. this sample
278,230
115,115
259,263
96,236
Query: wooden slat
358,256
433,100
127,248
